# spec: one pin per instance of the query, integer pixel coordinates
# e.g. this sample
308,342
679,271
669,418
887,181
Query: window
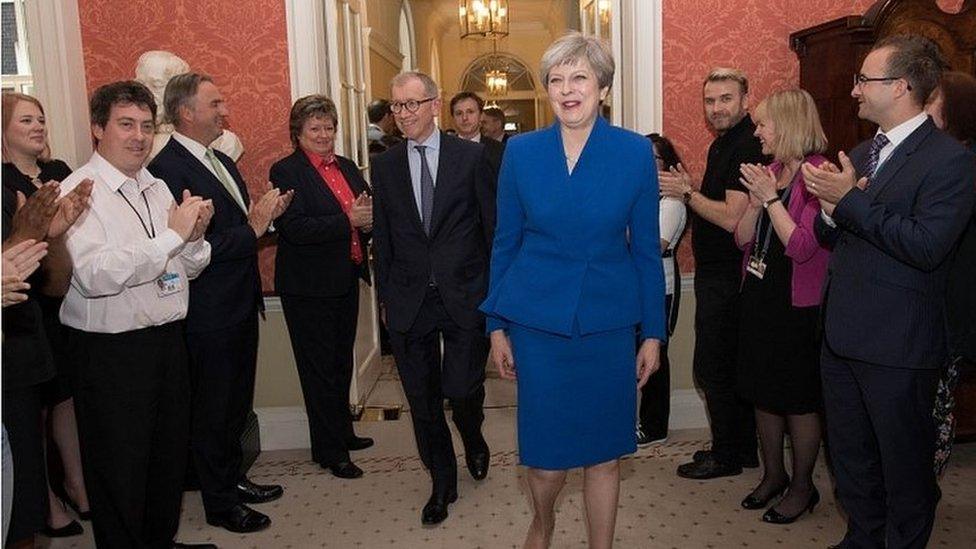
16,62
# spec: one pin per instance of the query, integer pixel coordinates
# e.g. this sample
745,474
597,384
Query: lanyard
150,230
765,233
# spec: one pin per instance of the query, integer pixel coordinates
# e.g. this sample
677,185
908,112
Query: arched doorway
520,102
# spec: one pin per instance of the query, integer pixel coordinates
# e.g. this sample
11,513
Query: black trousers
428,378
882,444
132,400
22,418
731,418
323,332
222,368
655,405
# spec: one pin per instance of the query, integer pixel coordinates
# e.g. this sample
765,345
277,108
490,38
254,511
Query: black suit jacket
228,291
886,281
314,235
493,152
459,246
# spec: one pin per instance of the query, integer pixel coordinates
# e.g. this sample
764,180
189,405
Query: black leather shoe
773,516
241,519
708,468
752,503
178,545
478,464
66,531
344,469
746,462
249,492
359,443
436,509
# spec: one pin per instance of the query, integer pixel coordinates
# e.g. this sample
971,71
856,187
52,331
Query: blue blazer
581,248
885,291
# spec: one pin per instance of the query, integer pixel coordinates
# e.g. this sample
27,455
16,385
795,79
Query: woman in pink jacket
783,273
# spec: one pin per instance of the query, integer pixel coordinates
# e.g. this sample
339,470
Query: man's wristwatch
686,196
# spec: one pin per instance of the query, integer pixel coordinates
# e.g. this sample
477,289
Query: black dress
27,365
779,344
58,389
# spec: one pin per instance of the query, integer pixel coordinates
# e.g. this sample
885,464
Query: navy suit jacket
578,248
314,235
228,291
886,281
457,250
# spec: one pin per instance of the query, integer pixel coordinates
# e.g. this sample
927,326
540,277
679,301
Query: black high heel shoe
773,516
66,531
752,503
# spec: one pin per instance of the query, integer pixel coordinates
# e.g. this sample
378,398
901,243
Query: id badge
756,267
169,284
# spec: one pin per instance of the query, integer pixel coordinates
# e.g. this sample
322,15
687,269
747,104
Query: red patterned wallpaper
242,45
752,35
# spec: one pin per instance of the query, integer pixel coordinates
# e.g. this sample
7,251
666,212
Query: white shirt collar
433,141
901,132
196,148
114,177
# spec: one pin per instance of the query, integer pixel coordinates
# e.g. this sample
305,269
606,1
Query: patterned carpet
657,509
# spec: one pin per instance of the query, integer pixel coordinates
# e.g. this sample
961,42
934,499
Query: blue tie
877,144
426,189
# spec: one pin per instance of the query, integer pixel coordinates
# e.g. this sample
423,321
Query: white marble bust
154,69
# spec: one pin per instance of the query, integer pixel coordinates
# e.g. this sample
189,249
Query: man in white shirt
133,252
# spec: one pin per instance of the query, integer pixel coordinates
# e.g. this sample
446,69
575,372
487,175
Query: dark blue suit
221,324
885,334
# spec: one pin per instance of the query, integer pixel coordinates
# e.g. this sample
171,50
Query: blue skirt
577,397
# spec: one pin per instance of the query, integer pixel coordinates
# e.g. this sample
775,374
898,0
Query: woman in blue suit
575,265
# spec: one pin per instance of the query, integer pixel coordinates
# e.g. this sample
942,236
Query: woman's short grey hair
310,106
574,47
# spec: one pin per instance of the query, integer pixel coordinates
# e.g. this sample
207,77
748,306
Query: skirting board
286,427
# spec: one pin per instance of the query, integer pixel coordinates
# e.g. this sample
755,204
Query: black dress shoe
747,462
708,468
752,503
344,469
178,545
436,509
239,518
66,531
249,492
359,443
478,464
83,515
774,517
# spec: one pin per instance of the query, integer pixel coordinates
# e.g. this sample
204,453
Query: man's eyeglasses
860,79
411,105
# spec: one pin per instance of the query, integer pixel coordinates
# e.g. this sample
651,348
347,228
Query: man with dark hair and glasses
893,210
433,222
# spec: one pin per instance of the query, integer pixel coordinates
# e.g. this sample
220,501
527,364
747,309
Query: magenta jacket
808,256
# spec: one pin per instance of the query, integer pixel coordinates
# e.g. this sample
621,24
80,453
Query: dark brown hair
125,92
958,91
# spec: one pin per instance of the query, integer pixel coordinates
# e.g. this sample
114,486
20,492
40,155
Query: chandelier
483,18
497,82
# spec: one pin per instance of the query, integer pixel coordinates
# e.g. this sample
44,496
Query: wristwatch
686,196
770,202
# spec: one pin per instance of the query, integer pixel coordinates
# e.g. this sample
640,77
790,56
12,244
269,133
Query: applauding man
222,321
133,253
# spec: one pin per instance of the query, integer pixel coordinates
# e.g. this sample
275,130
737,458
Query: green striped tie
229,185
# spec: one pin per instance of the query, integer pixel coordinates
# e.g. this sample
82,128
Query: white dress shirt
119,250
432,153
200,153
895,136
671,218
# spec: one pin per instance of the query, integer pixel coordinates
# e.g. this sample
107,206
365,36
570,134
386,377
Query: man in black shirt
717,206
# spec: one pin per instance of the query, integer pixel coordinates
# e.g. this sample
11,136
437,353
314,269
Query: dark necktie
879,142
426,189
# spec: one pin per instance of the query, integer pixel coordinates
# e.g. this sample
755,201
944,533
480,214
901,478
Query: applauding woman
784,269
